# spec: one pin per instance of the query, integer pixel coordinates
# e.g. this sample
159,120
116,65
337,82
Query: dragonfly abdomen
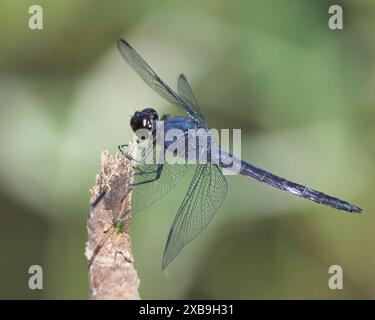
299,190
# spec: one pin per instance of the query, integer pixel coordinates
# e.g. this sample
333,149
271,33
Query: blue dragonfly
208,187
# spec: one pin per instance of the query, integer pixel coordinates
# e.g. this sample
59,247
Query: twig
111,266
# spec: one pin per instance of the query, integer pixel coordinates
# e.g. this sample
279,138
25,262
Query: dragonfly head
143,122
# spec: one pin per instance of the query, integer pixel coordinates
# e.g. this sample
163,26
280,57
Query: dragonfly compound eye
143,122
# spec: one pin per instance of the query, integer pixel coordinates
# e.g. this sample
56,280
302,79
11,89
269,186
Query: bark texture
111,265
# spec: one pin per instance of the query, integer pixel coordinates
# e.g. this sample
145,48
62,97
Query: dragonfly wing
146,193
206,193
185,92
149,76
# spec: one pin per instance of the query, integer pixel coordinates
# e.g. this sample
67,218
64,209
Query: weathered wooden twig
111,266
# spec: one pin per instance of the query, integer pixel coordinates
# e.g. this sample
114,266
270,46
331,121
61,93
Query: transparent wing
146,194
148,188
185,92
204,197
148,75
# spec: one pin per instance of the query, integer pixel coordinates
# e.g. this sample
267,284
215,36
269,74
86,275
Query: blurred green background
302,94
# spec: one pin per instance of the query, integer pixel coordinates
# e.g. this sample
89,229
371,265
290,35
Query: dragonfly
208,187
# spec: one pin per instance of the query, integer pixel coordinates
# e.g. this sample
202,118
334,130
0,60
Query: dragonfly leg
128,156
140,171
147,151
120,148
157,176
125,154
